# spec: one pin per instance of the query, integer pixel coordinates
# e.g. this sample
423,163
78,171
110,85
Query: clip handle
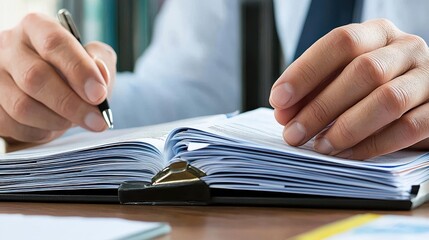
180,171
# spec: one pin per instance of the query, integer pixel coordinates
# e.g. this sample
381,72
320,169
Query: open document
243,152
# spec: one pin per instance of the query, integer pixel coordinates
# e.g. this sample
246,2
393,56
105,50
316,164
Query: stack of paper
244,152
90,160
247,152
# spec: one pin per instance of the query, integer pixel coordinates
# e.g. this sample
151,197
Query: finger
26,110
40,81
411,128
106,74
14,145
53,135
330,53
17,131
422,145
60,48
357,80
383,106
103,70
105,58
283,116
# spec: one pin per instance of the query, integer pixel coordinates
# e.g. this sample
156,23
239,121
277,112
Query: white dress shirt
193,65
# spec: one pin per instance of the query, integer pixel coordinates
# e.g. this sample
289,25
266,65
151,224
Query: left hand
370,80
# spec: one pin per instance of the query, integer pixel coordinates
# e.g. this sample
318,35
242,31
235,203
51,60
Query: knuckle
389,29
52,42
320,111
386,23
22,105
30,18
393,100
66,104
371,70
33,79
343,130
411,128
417,42
74,66
347,39
419,48
372,147
307,72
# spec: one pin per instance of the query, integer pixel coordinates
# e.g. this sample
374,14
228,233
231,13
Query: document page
260,126
90,160
248,152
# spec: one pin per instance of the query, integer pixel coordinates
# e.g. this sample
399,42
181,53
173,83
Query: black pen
67,22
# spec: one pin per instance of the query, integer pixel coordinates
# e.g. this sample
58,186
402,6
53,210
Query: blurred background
97,20
127,26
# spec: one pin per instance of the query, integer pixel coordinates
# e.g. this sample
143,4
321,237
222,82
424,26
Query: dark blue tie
325,15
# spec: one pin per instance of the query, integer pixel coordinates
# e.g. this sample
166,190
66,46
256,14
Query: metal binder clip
177,172
179,183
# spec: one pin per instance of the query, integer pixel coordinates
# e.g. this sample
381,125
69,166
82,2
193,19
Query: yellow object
337,227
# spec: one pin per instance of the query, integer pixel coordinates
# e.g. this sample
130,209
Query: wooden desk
208,222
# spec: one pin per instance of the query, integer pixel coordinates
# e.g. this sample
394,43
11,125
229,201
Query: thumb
105,59
103,70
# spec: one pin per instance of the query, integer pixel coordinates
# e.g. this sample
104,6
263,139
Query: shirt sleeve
191,67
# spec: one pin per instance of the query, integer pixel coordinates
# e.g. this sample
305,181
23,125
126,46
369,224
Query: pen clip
67,22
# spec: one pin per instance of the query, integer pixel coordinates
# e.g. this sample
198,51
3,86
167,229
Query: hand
369,80
48,82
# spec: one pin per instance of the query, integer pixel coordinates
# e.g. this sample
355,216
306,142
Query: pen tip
108,118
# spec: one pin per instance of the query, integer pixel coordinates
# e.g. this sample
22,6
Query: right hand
49,82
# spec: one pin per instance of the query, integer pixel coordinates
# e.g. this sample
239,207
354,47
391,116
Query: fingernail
281,95
95,91
345,154
294,134
95,122
323,145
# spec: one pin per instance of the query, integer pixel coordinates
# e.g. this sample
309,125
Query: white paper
248,152
16,226
90,160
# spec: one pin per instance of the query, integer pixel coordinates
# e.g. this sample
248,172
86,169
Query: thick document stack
232,160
